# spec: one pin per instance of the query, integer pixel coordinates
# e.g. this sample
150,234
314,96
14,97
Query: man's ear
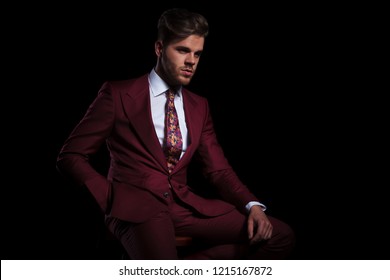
158,48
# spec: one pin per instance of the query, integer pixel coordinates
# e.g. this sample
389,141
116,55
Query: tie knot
171,94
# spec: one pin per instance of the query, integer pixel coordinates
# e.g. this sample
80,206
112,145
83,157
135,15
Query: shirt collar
158,86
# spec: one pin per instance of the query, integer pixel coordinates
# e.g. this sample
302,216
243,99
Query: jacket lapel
138,110
194,126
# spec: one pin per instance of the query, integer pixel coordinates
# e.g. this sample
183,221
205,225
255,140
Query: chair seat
182,241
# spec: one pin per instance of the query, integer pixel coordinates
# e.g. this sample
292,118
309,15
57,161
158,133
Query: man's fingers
250,229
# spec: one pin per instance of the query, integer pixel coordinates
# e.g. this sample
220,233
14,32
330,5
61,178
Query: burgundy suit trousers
221,237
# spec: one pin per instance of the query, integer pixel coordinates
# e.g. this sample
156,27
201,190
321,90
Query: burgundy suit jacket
138,180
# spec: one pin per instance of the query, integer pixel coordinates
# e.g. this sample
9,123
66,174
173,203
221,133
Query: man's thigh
223,229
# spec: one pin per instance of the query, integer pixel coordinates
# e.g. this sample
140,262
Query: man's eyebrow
184,48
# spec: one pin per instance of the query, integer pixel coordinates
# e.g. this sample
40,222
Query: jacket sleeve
85,140
217,169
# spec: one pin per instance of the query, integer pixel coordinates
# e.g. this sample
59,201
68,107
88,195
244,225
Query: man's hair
175,24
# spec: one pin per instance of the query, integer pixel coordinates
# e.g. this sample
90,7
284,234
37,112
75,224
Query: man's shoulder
126,86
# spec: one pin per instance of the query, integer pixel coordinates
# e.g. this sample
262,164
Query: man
153,128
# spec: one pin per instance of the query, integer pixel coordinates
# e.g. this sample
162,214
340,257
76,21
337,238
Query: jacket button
166,194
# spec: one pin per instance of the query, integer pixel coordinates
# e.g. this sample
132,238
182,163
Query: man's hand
259,227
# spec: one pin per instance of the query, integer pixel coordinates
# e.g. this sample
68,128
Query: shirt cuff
251,203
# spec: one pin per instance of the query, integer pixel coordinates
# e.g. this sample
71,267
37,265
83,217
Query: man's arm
86,139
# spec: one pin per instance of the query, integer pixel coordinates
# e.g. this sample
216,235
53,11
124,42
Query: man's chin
185,81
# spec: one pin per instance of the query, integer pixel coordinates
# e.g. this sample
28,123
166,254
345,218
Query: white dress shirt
158,99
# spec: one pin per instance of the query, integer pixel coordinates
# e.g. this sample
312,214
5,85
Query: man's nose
190,59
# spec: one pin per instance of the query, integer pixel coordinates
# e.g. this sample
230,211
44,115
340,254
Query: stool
184,246
183,241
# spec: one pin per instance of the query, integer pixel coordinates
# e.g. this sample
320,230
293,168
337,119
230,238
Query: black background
312,149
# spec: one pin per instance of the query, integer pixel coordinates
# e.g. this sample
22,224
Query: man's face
178,60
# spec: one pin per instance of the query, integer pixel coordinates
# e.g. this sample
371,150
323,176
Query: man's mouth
187,72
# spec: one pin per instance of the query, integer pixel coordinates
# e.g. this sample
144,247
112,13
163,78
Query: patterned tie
173,141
